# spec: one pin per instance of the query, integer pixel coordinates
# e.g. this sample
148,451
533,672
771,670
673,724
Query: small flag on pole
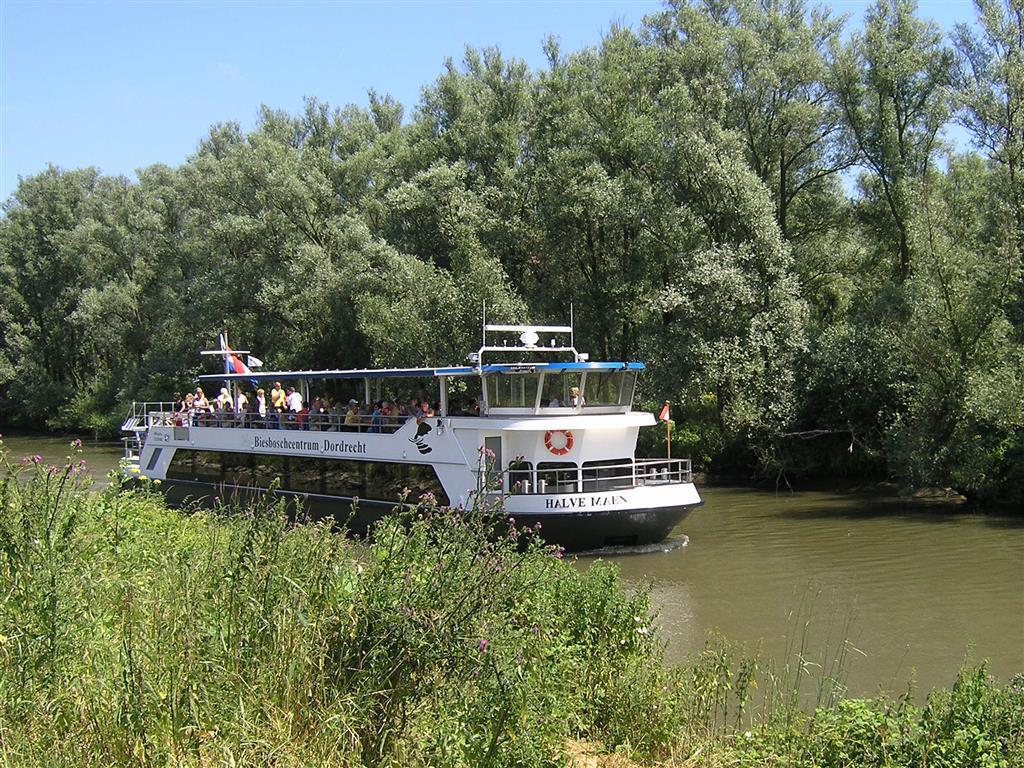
231,362
668,429
255,362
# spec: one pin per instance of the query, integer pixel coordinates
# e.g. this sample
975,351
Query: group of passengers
284,408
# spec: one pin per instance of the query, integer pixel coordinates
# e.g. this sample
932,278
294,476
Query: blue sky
122,85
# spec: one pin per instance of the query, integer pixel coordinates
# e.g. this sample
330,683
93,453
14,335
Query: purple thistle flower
36,459
484,642
76,444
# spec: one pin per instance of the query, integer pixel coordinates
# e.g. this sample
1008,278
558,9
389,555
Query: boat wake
639,549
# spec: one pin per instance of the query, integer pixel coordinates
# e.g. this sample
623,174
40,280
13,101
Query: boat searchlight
529,338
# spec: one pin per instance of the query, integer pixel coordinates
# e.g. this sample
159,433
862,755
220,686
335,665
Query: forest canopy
756,201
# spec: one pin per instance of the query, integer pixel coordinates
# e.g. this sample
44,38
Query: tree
965,421
989,94
891,81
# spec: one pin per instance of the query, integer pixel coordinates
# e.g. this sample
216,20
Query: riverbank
133,635
919,585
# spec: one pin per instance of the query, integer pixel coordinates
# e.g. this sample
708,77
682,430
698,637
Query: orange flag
664,413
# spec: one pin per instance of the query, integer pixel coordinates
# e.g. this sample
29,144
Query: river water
913,589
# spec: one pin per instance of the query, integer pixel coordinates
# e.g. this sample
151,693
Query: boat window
607,388
520,476
153,459
379,481
557,477
344,478
558,389
512,390
268,469
181,466
304,474
238,469
207,467
421,481
607,475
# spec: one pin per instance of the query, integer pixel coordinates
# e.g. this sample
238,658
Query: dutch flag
232,364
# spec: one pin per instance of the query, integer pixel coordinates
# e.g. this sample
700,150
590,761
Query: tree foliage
686,187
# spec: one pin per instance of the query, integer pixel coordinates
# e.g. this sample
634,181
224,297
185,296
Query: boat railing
142,416
612,477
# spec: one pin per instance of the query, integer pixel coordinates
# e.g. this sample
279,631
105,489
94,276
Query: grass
131,634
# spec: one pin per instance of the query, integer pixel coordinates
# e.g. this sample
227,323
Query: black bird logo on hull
421,431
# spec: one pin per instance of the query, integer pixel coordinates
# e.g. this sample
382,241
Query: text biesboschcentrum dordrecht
323,446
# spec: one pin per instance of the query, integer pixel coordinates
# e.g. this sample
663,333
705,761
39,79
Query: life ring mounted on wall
559,441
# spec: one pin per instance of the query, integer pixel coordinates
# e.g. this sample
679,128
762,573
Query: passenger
555,402
179,404
376,419
224,399
474,408
261,406
221,413
241,402
385,414
201,403
338,416
188,403
278,399
294,400
576,398
318,412
352,417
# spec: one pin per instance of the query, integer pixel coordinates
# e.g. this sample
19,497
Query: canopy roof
414,373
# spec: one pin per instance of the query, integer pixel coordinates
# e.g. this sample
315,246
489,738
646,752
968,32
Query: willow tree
891,81
990,95
965,420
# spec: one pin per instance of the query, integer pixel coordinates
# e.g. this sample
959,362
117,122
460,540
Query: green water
912,589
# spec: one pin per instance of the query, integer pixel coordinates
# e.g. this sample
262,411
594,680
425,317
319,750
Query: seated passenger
473,409
555,402
375,419
278,398
576,398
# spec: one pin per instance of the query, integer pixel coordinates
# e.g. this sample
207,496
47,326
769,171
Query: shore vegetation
135,635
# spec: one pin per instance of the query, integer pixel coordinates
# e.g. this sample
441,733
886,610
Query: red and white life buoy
558,441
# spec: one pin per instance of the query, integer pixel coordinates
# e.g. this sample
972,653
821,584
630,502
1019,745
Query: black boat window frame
381,481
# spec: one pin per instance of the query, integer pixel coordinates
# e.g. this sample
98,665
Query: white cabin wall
588,445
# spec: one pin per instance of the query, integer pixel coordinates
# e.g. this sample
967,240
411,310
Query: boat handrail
610,477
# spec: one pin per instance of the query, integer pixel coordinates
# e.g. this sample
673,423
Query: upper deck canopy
412,373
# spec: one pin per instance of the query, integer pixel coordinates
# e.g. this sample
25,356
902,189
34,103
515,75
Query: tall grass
131,634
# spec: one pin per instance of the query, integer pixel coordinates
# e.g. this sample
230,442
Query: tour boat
529,422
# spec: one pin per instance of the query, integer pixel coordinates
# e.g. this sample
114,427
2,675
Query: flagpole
666,416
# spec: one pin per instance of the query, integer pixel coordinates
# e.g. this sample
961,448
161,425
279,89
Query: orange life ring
559,447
